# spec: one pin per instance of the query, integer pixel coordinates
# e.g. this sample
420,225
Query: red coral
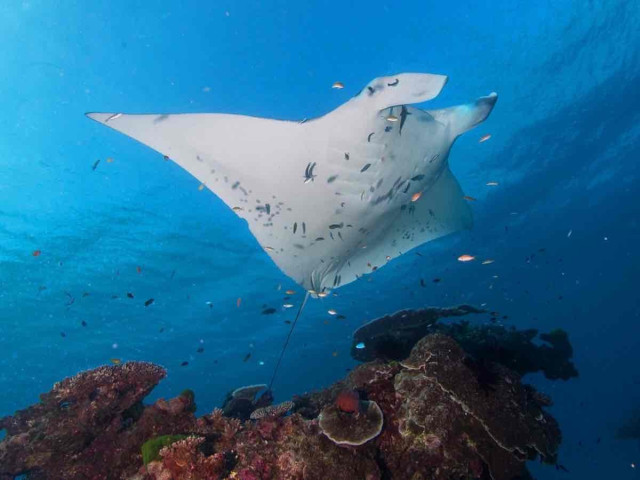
348,401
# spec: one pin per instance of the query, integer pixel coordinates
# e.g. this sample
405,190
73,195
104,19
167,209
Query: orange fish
337,85
484,138
115,361
416,196
139,269
36,253
466,258
238,302
471,199
290,292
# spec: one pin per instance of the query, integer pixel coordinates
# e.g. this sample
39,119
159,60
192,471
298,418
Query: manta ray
335,197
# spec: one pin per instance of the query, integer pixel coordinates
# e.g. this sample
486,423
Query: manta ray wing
328,199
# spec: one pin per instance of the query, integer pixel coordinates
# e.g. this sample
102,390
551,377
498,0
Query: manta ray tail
464,117
286,342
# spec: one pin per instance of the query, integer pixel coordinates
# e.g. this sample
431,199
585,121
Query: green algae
151,448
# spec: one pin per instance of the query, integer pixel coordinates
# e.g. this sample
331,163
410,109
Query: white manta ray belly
329,199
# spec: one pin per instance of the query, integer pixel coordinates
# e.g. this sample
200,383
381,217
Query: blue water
565,149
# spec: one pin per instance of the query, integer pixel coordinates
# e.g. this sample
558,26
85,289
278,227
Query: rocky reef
437,414
392,337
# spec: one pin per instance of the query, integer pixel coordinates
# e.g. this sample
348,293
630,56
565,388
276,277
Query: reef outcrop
438,414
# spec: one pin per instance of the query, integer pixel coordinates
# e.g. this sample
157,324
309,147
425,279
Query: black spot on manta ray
160,118
393,84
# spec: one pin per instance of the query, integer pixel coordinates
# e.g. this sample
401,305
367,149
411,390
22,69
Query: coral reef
351,428
439,414
393,336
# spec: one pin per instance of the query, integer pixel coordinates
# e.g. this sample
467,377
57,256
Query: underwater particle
109,160
114,346
63,335
392,118
466,258
238,302
288,322
488,261
492,184
331,311
360,346
83,323
436,280
287,305
71,299
334,354
210,304
201,187
95,164
184,364
416,196
351,429
200,349
569,234
422,284
468,198
115,361
290,292
149,302
261,362
269,249
129,295
247,357
484,138
337,85
139,269
323,294
36,253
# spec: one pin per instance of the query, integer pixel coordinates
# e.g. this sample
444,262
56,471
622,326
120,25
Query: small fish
268,249
388,258
129,294
295,227
422,284
148,302
95,164
63,335
184,364
346,155
331,312
466,258
85,294
288,322
247,357
416,196
83,323
569,234
166,158
238,302
201,187
322,294
269,311
470,199
488,261
115,361
287,305
139,269
290,292
200,349
36,253
109,160
113,117
365,168
237,209
210,304
360,346
492,184
337,85
484,138
392,118
436,280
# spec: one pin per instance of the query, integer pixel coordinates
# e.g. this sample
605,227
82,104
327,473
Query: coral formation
348,401
393,336
272,410
438,414
351,428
